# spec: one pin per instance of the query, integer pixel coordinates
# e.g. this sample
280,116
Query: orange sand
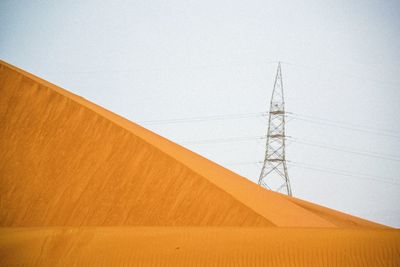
199,246
65,161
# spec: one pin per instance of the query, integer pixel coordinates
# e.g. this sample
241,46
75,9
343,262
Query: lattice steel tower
274,174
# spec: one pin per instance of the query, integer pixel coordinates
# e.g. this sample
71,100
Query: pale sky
164,60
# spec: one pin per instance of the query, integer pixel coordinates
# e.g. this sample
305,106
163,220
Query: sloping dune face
67,162
64,164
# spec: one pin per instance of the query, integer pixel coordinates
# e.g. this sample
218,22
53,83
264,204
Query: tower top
277,99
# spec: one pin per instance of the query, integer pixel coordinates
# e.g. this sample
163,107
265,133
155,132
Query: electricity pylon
274,174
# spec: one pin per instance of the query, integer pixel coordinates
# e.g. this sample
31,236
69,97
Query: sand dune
80,185
199,246
68,162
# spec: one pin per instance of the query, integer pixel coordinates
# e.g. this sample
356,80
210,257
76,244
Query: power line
344,173
322,169
242,163
327,123
347,150
224,140
290,115
365,153
362,127
205,118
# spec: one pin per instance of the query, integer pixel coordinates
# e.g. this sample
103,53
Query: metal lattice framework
274,174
